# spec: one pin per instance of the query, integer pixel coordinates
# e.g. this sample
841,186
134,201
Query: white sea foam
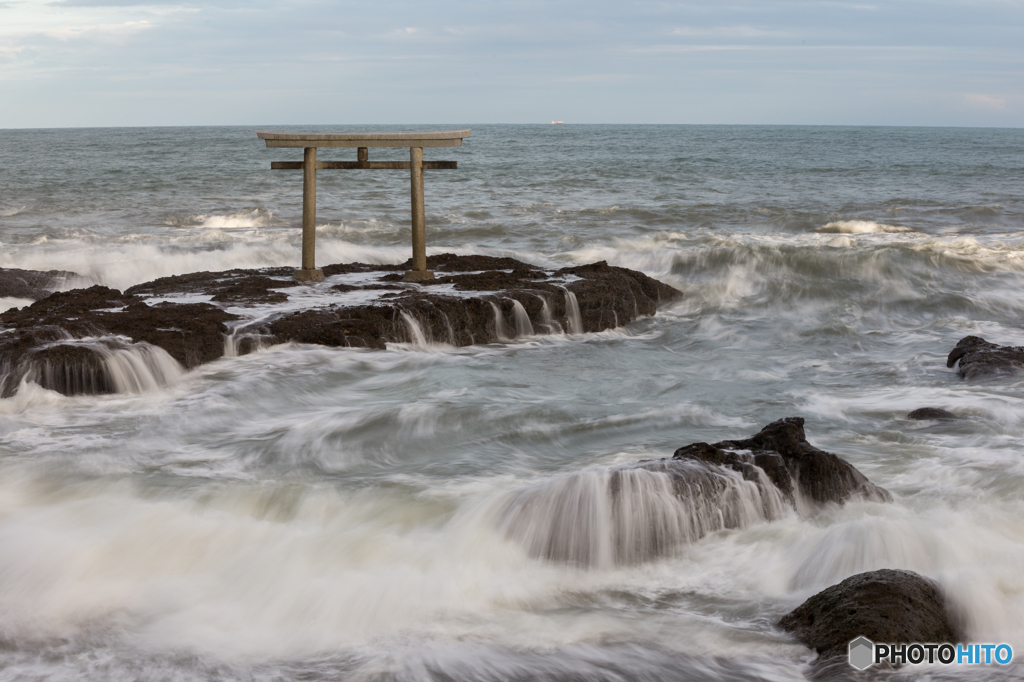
8,303
254,218
861,227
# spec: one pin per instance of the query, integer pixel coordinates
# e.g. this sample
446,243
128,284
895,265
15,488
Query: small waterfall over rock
239,343
140,367
603,517
417,337
546,319
523,325
95,366
572,313
499,323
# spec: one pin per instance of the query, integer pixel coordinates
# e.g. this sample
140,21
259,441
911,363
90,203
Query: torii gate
363,141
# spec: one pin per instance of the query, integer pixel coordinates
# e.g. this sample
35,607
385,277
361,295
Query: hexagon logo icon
862,653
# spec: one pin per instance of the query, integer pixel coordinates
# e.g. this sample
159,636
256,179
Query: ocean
307,513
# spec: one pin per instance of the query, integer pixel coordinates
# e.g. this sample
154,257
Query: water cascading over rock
604,517
621,515
474,300
95,366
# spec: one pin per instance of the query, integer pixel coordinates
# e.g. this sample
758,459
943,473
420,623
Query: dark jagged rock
887,606
926,413
31,344
192,333
230,286
495,280
978,357
31,284
607,297
781,450
497,289
70,369
67,304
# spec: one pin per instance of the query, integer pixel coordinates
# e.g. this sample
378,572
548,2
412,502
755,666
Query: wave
257,217
861,227
11,302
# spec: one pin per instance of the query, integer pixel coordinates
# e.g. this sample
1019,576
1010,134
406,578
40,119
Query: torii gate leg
309,273
419,270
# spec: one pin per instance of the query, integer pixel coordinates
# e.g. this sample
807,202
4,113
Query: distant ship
553,122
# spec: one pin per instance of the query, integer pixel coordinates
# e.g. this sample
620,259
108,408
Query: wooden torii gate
362,142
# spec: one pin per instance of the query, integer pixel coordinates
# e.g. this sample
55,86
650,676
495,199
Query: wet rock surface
978,357
932,413
32,284
234,286
886,606
606,297
33,339
473,300
782,452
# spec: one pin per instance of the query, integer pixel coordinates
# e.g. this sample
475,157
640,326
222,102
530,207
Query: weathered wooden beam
419,270
365,165
448,138
309,273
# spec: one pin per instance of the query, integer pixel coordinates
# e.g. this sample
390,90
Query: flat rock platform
84,340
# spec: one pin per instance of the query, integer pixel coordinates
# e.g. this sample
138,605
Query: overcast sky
177,62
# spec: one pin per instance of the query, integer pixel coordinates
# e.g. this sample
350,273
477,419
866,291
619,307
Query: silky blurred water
309,513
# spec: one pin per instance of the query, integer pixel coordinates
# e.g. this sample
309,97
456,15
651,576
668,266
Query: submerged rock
925,413
64,341
475,299
627,514
782,452
32,284
607,516
978,357
231,286
886,606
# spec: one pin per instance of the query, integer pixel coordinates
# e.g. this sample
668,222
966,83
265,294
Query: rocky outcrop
931,413
887,606
595,297
31,284
782,452
475,299
43,340
244,287
978,357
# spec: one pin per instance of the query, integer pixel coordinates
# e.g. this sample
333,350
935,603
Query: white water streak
572,313
604,517
522,319
140,367
417,337
499,323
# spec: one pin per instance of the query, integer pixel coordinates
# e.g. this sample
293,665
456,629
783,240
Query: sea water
307,513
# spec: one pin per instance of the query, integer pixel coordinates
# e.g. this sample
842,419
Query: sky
69,63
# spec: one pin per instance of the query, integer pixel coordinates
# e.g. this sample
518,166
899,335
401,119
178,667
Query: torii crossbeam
362,142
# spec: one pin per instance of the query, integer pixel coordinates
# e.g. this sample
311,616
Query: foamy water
430,512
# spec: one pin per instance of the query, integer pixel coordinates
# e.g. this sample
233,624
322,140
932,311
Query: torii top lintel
446,138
